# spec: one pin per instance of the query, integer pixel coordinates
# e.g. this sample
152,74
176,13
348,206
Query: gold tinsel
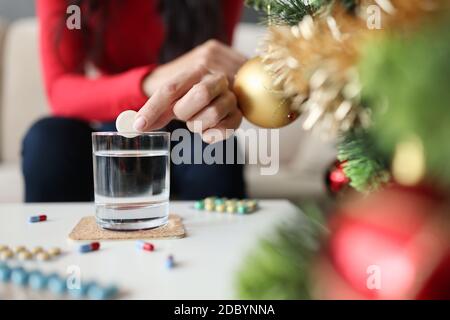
315,62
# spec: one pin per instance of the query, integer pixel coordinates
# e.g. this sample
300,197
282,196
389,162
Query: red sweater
132,40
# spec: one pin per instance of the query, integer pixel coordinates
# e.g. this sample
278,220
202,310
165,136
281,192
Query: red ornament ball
336,180
394,244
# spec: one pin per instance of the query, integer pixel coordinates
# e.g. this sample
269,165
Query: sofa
303,156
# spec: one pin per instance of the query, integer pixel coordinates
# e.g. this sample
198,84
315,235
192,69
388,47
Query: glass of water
131,179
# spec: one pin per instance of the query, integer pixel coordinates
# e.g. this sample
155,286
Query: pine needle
364,165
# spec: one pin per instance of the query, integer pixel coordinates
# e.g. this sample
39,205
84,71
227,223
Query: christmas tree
373,74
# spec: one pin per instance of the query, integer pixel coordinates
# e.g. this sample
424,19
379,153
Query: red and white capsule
146,246
39,218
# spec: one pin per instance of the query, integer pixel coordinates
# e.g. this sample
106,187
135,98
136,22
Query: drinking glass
131,179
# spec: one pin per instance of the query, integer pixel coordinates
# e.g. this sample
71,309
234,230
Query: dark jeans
57,166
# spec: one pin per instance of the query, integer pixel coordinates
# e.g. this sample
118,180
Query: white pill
124,123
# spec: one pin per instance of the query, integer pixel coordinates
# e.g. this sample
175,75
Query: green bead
199,205
242,210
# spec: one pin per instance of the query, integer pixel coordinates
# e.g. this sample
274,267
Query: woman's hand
213,54
198,96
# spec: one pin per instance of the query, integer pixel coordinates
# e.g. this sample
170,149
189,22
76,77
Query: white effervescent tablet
124,123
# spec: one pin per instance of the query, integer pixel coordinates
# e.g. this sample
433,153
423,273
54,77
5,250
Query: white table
207,258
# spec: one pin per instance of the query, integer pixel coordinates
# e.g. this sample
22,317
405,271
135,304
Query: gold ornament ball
260,102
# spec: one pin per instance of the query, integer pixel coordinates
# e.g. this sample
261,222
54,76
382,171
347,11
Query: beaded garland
216,204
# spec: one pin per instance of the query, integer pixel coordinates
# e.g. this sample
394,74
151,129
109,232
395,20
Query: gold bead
43,256
6,254
24,255
54,251
230,203
3,247
18,249
220,208
36,250
231,209
209,203
408,165
251,205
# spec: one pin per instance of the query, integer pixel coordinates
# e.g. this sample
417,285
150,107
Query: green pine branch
292,12
364,165
406,81
259,5
280,266
288,12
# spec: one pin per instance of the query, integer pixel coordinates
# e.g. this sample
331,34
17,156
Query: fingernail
140,123
208,139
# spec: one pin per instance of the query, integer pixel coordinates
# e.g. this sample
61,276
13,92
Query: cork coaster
87,229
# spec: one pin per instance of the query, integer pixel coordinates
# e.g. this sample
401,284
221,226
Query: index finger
166,96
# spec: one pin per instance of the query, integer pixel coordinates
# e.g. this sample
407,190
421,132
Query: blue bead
109,292
82,291
52,275
19,276
5,273
57,285
95,292
37,280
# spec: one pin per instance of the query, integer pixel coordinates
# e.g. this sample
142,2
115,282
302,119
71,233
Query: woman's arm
232,10
70,92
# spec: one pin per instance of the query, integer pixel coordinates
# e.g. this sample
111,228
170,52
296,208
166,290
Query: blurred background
14,9
303,160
